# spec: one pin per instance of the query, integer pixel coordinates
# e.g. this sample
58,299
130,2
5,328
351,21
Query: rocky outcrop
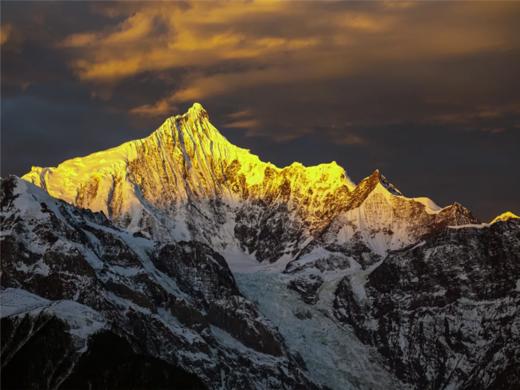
378,217
444,313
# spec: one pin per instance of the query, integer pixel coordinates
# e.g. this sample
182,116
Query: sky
427,92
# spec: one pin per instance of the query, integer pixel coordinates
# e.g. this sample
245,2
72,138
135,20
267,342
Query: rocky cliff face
444,313
70,280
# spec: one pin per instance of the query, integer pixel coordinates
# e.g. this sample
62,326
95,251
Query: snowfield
332,353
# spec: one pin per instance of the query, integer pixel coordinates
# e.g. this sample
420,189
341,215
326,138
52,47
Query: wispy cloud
5,31
243,119
482,117
243,124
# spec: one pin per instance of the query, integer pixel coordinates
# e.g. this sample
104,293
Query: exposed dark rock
39,353
307,286
445,312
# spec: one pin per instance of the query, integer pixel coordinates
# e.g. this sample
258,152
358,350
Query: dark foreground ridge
78,293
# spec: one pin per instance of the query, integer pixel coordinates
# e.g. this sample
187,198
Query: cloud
165,36
482,117
243,119
5,31
349,139
161,107
275,43
364,23
240,114
243,124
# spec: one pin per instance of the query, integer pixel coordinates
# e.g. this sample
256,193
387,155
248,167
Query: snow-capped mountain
187,181
223,269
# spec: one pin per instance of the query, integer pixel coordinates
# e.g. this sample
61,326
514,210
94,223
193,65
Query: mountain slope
444,313
70,279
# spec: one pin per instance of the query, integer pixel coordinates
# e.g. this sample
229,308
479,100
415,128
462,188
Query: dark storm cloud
428,92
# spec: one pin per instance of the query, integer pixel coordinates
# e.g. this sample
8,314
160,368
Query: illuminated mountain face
506,216
187,181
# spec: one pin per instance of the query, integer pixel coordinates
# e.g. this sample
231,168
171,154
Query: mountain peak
186,178
370,184
506,216
378,178
195,112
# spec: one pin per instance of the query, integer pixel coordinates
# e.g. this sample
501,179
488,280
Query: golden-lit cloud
243,124
240,114
164,36
161,107
363,22
274,42
5,31
243,119
364,62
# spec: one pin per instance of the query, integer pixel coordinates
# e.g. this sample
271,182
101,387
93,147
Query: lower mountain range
183,261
